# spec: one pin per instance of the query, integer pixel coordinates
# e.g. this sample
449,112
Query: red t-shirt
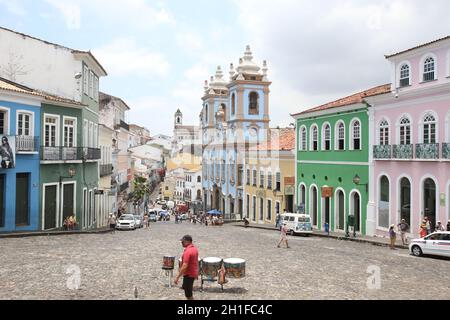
190,256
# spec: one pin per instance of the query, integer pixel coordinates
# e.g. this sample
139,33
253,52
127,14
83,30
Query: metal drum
168,263
211,266
235,268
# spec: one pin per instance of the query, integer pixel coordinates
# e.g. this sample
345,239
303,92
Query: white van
297,223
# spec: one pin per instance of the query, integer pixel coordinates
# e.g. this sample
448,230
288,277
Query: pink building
410,137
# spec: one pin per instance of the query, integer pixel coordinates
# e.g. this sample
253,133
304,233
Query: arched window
199,179
303,138
384,133
356,135
340,136
429,129
314,138
405,131
429,69
384,203
404,76
253,107
233,104
326,137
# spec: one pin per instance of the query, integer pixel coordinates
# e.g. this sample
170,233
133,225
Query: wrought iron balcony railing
92,154
446,151
27,144
427,151
69,153
403,151
382,152
106,170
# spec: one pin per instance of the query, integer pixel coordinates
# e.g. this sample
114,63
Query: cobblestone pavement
113,265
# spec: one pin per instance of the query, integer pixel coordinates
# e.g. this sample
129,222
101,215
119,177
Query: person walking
189,267
404,228
283,236
392,236
423,229
439,227
112,221
146,220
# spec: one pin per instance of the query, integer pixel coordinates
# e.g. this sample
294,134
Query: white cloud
123,57
14,7
70,11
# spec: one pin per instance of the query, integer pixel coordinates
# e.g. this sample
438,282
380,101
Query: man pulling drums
189,268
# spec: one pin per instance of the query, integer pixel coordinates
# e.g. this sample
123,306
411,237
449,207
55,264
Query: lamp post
72,172
351,217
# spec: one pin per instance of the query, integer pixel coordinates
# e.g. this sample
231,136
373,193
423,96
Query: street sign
327,192
289,181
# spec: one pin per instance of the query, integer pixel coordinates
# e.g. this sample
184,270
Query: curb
375,243
50,233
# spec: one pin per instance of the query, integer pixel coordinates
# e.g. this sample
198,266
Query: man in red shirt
189,268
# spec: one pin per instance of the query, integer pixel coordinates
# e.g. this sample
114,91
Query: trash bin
327,228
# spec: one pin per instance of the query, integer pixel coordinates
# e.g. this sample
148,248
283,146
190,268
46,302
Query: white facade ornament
265,69
232,72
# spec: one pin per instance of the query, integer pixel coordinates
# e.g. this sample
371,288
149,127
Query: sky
158,53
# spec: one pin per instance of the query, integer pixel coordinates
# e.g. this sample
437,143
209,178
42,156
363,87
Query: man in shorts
283,235
189,268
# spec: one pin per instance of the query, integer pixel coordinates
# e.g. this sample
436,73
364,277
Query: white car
437,243
126,222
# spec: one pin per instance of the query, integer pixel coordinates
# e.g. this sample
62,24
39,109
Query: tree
141,189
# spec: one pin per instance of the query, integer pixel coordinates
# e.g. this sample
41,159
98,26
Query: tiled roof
417,47
106,98
355,98
280,140
15,87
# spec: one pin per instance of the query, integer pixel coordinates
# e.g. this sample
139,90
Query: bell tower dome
178,118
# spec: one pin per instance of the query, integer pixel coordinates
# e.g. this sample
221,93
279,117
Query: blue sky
159,52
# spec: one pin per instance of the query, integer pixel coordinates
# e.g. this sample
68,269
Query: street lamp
357,181
72,172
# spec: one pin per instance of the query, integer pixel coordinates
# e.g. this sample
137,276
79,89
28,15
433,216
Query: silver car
139,221
126,222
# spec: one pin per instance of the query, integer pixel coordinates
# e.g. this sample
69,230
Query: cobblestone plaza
113,266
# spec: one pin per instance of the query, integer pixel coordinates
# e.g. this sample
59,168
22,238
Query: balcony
382,152
403,152
427,151
122,125
123,187
106,170
69,154
446,151
27,144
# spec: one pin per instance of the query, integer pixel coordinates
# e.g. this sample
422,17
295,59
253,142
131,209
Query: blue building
234,118
20,114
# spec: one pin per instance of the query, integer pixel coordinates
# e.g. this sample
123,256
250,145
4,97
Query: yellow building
270,178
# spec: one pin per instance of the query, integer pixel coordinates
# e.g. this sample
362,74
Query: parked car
126,222
153,216
298,223
437,243
139,221
162,202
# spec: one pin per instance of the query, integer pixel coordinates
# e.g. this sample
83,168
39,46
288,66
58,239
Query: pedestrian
146,220
439,227
283,236
278,219
112,221
428,225
392,236
448,225
423,229
404,228
189,267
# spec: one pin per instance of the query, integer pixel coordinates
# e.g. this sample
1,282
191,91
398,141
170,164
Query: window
51,131
233,104
253,108
326,138
278,181
314,138
340,136
248,177
405,131
199,179
224,109
303,139
356,135
206,113
91,134
404,76
269,180
429,129
24,123
70,133
91,84
269,210
254,178
96,87
4,122
95,136
429,69
384,133
383,205
261,179
85,80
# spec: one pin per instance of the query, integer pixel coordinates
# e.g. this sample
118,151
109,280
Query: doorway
340,207
50,207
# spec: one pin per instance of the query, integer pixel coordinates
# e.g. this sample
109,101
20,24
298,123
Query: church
234,118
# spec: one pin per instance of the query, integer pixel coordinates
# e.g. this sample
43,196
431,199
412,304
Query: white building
186,138
193,186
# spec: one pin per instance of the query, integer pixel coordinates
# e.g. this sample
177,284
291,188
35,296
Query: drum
169,263
211,266
235,268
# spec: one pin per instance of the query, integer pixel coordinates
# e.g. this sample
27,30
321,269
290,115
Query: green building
333,163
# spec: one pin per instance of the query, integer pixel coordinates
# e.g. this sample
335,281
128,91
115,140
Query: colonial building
270,183
235,116
193,185
410,140
186,138
332,170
